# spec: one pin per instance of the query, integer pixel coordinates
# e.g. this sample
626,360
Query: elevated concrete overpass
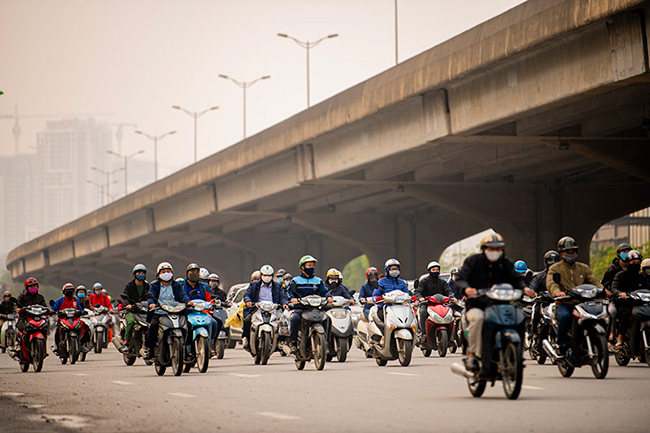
534,123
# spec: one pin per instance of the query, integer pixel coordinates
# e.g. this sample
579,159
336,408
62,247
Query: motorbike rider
204,276
286,282
334,284
8,306
431,285
135,291
570,274
366,291
452,282
193,283
626,281
538,283
29,296
68,300
82,294
279,276
266,289
100,298
522,268
217,293
256,276
389,283
164,291
616,266
645,269
304,284
482,271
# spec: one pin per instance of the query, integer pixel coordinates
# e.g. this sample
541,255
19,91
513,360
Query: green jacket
570,277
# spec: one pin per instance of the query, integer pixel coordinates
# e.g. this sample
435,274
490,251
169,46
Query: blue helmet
521,266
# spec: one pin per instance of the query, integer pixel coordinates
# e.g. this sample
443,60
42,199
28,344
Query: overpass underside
548,142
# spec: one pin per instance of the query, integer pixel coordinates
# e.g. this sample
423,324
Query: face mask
98,292
7,299
267,278
623,256
334,283
493,256
214,284
81,295
634,268
570,258
646,271
278,280
140,277
68,294
32,290
167,276
309,272
434,274
193,277
394,273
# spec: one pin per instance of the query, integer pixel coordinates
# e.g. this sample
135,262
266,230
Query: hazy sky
137,58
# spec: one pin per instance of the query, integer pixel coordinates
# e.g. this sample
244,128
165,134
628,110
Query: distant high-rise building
633,229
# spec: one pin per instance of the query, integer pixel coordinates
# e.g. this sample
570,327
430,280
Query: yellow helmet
333,273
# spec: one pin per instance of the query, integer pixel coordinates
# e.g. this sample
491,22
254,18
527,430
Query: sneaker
213,353
471,364
147,354
293,348
124,348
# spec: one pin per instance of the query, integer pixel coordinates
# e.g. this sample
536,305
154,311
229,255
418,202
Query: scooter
284,332
101,322
136,345
170,344
8,332
342,330
199,318
86,319
263,337
69,330
587,333
312,332
505,321
221,315
397,331
636,343
33,339
543,330
439,326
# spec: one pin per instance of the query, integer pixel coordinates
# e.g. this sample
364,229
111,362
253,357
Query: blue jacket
179,293
388,284
302,286
201,287
366,292
253,295
57,304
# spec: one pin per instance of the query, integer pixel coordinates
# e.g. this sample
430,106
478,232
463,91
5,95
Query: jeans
563,313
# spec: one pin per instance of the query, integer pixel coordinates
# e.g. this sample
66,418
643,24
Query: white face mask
167,276
267,278
493,256
394,273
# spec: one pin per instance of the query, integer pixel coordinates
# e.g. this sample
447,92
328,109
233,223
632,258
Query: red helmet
67,286
30,282
371,269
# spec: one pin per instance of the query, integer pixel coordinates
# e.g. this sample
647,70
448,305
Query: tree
354,273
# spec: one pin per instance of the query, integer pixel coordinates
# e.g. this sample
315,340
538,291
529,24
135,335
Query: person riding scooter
365,292
135,291
335,286
68,300
193,283
627,281
217,293
389,283
431,285
265,289
99,297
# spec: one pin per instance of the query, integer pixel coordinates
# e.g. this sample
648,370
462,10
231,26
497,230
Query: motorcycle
32,347
265,325
505,321
543,330
69,329
312,333
397,330
198,351
221,315
342,330
101,323
7,332
283,333
439,326
587,333
136,345
636,342
170,344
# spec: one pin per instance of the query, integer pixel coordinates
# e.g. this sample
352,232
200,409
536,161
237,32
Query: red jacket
100,299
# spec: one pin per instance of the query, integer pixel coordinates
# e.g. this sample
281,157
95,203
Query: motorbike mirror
123,296
149,295
51,303
352,292
193,293
96,305
557,277
416,283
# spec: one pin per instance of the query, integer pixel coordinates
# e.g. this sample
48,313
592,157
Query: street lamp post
396,45
125,168
100,186
195,115
307,45
108,174
244,85
155,140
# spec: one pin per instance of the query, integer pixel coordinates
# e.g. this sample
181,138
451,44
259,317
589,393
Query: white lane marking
401,374
277,415
244,375
80,374
531,387
181,395
121,382
34,406
11,394
69,421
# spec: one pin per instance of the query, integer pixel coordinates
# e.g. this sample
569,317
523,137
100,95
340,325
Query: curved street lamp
244,85
155,140
195,115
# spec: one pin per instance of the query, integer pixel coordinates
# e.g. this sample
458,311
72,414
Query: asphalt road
104,395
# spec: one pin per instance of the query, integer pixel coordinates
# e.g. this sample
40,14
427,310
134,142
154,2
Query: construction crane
16,130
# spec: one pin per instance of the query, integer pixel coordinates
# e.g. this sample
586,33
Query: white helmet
213,277
204,274
267,270
391,262
433,264
164,265
179,279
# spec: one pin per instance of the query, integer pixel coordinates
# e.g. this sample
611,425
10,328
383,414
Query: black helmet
551,256
192,266
494,240
633,255
623,247
567,243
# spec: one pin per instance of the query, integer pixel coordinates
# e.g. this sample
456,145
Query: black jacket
538,283
627,282
608,277
219,294
339,290
429,287
26,299
133,293
9,306
479,273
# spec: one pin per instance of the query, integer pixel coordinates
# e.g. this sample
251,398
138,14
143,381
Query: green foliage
601,257
354,273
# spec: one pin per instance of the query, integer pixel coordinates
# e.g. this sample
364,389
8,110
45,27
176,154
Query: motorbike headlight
644,296
338,314
506,295
173,308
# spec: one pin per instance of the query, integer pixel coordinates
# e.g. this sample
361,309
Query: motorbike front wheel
202,350
73,349
404,351
566,370
319,346
220,348
621,358
442,343
600,366
426,352
38,354
99,341
512,371
160,369
176,351
265,348
342,349
129,359
476,387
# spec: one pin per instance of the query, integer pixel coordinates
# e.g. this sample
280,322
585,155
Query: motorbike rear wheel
342,349
176,352
38,354
73,349
220,348
381,362
24,367
512,371
404,351
300,364
160,369
442,342
566,370
601,365
476,387
202,350
265,348
319,347
426,352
